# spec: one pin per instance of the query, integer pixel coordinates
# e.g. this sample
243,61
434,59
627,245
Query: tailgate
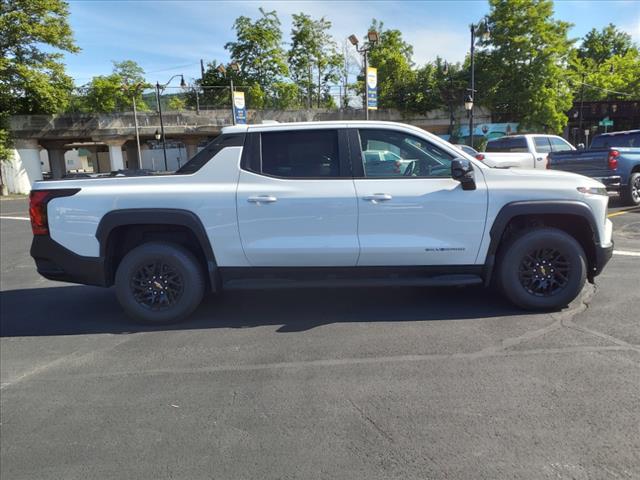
590,163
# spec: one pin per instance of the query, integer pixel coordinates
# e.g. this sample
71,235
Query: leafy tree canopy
258,49
523,75
32,75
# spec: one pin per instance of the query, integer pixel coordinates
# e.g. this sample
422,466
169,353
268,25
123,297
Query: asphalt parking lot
385,383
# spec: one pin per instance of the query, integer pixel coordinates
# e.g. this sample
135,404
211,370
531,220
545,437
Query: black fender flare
159,216
533,207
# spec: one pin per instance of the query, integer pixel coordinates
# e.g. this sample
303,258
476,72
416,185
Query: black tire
542,269
631,193
159,283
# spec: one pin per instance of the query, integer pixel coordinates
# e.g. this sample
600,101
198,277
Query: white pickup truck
522,151
294,205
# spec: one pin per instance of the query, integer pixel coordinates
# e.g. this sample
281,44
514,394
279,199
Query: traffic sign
605,122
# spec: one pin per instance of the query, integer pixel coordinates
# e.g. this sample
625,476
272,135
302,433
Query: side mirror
462,171
580,146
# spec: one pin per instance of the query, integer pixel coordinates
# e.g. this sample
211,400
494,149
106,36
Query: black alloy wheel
544,272
157,285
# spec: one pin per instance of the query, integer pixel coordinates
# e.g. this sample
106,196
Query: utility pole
473,82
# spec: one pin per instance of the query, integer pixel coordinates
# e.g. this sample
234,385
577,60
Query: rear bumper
55,262
613,182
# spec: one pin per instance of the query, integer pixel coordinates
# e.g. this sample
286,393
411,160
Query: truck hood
540,177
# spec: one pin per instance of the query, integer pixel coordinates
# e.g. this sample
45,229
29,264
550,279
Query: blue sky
170,37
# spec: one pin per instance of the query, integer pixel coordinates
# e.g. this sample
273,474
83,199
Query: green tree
396,78
609,64
522,77
32,75
176,103
599,46
213,88
258,49
129,71
113,93
314,61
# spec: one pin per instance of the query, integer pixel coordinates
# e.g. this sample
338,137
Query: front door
414,213
296,200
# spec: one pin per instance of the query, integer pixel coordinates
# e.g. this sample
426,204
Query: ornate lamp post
483,30
372,40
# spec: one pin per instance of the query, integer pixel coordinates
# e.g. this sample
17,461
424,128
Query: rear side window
508,144
621,140
559,145
542,144
210,151
301,154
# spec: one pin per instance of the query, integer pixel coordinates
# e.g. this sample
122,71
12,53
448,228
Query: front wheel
542,269
159,283
631,193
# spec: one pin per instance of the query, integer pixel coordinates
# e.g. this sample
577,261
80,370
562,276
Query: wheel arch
156,223
571,216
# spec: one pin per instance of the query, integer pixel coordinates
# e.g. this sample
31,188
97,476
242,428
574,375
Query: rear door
417,214
296,200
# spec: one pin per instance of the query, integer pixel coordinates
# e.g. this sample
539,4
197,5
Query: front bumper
56,262
603,255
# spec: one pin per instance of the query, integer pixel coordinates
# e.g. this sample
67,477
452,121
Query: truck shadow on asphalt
75,310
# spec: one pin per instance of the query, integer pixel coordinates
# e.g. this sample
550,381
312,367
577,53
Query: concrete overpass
115,133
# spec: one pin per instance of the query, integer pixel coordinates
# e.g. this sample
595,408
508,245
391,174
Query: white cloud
451,45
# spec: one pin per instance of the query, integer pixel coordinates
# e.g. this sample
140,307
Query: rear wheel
159,283
542,269
631,193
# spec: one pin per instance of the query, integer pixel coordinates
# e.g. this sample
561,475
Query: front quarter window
402,155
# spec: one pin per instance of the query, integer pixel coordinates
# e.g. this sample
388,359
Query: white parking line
16,218
627,253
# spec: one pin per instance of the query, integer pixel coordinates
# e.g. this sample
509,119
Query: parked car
296,205
467,149
523,151
613,159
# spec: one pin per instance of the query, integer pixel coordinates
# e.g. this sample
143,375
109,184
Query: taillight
480,156
613,159
38,200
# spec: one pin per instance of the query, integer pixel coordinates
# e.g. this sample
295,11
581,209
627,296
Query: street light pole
472,91
364,98
164,143
223,70
372,37
164,140
135,121
473,82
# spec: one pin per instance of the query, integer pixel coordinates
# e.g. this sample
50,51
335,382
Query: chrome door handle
262,199
378,197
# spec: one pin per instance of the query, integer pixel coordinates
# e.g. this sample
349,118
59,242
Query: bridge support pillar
191,145
55,150
25,168
131,150
116,159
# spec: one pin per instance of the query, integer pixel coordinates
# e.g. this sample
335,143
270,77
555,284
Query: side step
432,281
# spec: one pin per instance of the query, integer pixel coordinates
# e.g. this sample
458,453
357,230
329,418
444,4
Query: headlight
593,190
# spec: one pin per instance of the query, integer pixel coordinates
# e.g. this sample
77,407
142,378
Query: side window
389,153
301,154
559,145
542,144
